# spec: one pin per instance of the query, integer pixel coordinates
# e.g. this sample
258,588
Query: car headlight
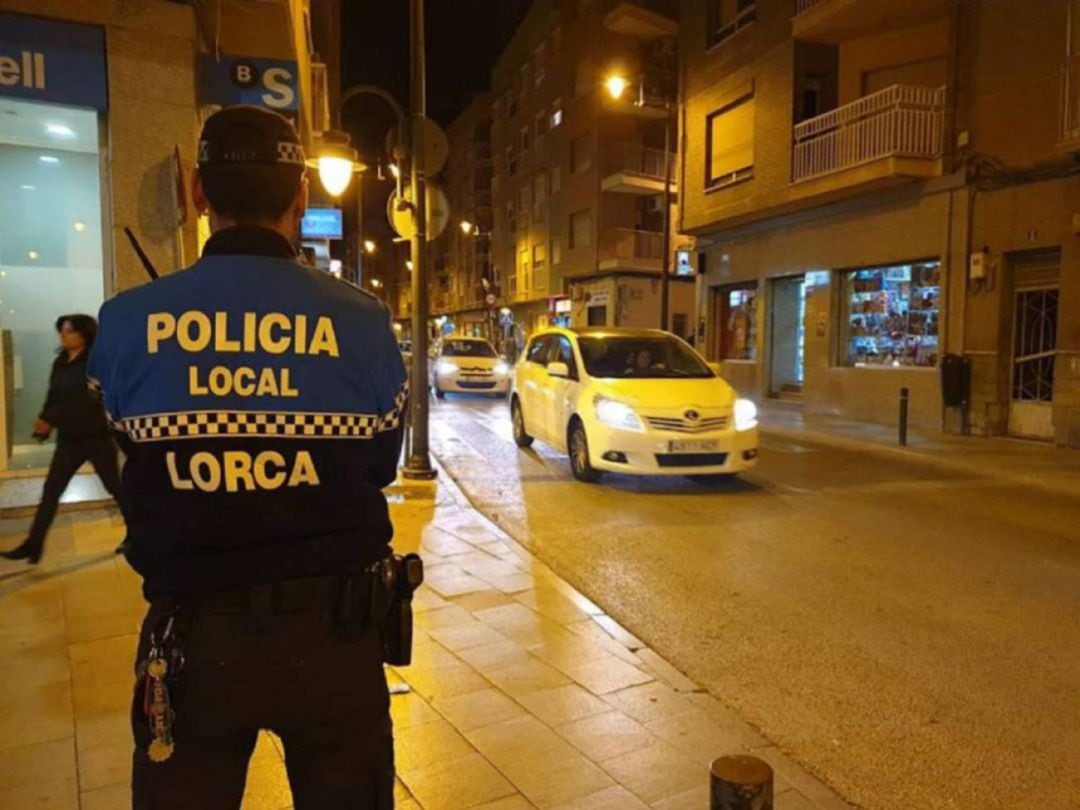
501,369
445,367
745,414
616,414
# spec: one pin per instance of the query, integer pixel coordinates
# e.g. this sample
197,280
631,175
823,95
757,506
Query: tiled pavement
523,693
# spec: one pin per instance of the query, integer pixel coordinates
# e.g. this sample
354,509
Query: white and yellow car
636,401
468,365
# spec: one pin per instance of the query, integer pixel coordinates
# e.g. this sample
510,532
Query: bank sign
52,61
270,83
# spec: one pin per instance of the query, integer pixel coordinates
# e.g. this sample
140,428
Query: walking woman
83,434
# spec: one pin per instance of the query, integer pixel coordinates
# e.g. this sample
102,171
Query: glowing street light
376,283
408,265
369,246
616,85
467,227
336,161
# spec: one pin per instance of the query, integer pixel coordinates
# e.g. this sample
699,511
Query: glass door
787,336
51,260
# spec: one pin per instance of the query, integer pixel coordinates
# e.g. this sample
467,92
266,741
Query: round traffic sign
438,213
436,146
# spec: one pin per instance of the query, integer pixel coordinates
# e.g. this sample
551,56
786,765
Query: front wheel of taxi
578,445
521,438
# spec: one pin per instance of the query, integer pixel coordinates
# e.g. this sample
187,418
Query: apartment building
876,185
100,110
579,177
463,288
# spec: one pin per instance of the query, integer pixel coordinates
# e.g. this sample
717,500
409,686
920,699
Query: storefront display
738,334
891,315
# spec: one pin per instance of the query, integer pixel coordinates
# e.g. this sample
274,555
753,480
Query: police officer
260,402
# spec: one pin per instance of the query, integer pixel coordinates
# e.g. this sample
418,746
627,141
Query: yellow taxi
638,401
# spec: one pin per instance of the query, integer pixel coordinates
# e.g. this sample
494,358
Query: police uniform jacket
260,404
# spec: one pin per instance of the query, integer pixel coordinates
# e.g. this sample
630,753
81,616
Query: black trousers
290,673
71,454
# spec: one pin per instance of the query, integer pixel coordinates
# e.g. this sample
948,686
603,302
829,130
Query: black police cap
249,135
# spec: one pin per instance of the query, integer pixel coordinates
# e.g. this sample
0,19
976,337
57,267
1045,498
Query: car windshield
656,357
467,348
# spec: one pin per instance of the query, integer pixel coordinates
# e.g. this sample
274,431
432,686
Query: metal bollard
903,416
740,783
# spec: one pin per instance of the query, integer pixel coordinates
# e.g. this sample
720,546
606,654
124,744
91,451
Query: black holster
382,596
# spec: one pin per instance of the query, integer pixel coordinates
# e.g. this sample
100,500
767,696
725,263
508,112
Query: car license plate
693,446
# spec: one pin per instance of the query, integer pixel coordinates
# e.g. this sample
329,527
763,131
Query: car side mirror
558,370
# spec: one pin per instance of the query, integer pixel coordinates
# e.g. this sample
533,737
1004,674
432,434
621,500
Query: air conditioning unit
655,205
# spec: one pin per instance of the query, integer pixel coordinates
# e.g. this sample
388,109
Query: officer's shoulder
348,293
152,293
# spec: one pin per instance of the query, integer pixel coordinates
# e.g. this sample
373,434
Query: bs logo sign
267,83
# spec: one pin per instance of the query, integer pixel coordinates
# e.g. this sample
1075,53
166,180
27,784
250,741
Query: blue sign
58,62
321,223
270,83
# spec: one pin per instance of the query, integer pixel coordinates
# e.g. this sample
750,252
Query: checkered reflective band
290,153
289,425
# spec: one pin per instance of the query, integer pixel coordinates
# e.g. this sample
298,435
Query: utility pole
418,462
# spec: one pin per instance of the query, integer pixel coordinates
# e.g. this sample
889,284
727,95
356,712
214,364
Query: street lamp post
418,461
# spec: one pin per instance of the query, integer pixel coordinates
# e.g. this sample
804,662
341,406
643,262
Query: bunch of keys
157,707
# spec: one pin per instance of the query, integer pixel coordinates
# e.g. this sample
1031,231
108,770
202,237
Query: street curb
916,457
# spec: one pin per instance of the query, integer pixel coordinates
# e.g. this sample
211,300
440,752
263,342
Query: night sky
464,37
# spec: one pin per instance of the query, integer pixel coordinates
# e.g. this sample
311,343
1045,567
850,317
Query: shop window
890,315
580,154
597,315
51,250
581,229
730,143
738,322
726,17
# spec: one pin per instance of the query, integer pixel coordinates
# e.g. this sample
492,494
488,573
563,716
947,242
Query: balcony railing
806,5
899,121
629,244
633,158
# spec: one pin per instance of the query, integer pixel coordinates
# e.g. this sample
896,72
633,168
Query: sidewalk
1025,463
523,693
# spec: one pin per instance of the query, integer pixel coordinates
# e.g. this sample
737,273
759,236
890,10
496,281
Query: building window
539,64
524,270
540,124
729,16
556,43
738,322
511,217
556,113
597,315
523,139
540,198
581,229
539,260
890,315
511,161
583,78
730,143
556,179
556,251
580,154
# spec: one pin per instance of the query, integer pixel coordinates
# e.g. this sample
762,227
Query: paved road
911,635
